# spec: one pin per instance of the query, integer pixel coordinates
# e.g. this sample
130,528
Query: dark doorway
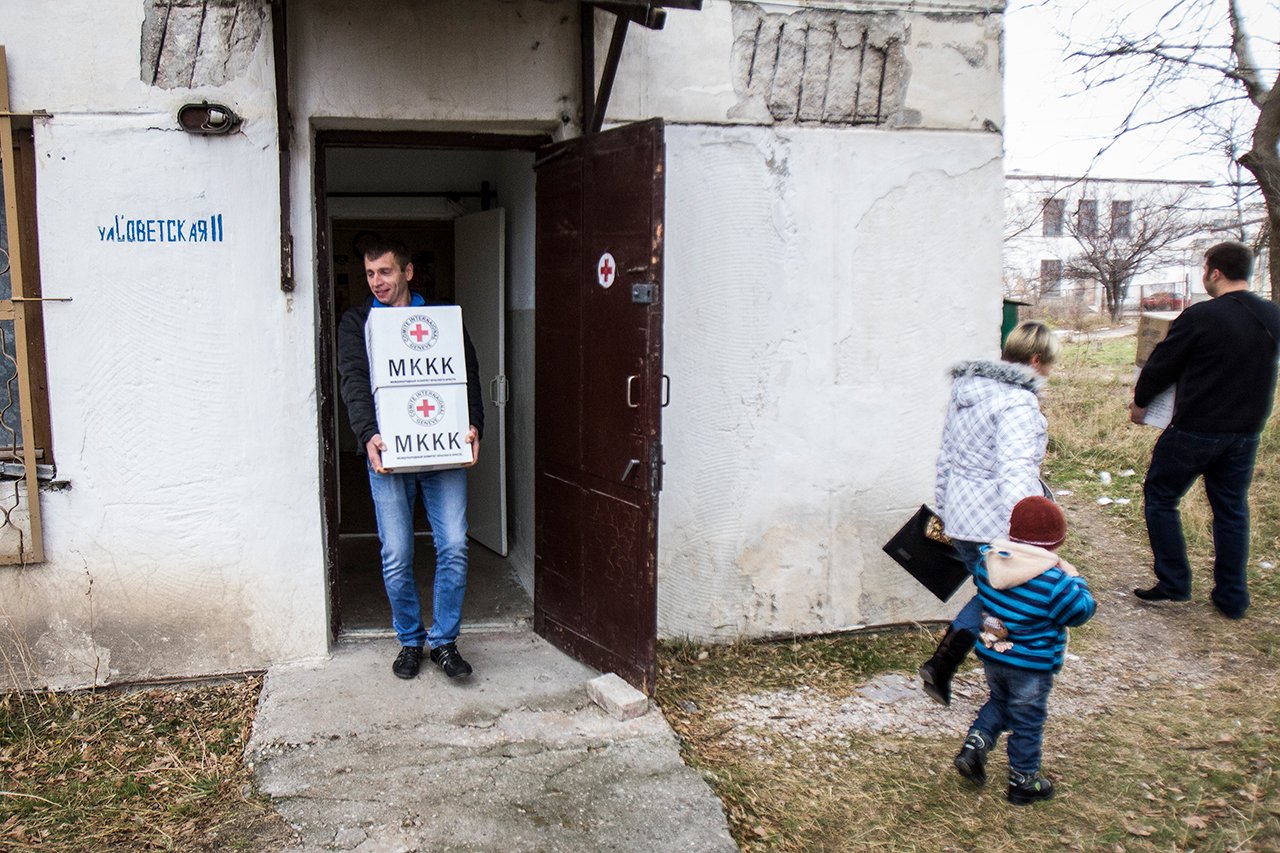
363,190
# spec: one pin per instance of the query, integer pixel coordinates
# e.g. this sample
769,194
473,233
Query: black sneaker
971,762
407,662
450,661
1027,788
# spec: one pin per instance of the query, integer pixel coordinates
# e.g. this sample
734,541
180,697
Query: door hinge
655,467
286,263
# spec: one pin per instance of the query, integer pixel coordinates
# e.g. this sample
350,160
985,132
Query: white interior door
480,287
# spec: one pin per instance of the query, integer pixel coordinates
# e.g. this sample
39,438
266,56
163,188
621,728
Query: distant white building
1044,213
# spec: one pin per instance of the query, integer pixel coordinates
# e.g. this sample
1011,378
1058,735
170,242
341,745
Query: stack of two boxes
418,373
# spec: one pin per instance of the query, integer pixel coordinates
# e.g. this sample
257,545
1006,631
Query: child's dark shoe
971,761
1027,788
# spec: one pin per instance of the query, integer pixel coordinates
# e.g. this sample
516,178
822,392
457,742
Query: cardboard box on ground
418,374
1152,328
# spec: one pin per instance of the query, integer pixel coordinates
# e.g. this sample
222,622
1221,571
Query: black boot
1027,788
938,670
971,761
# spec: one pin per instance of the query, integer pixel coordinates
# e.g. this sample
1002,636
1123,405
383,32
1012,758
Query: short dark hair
376,247
1234,260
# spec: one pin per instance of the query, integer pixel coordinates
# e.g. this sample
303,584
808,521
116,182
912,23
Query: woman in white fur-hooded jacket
993,442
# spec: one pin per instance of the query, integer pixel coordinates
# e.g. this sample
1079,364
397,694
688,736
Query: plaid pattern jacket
992,444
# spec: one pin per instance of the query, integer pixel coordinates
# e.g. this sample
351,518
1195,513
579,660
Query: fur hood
1005,372
1011,564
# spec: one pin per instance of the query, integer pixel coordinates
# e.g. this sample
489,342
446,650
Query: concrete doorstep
516,758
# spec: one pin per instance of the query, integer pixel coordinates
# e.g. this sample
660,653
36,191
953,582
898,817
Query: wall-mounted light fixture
208,119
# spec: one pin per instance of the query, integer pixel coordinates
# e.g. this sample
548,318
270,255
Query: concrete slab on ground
516,758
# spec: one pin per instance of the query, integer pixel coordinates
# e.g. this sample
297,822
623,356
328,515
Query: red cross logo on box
426,408
606,270
419,332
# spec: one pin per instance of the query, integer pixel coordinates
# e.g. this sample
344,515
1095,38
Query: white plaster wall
684,72
434,64
818,285
181,378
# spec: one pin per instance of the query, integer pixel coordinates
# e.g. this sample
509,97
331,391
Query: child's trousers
1018,704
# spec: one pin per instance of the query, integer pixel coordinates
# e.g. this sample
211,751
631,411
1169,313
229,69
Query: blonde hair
1030,338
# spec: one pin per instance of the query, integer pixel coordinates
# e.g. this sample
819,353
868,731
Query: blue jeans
444,494
970,616
1225,460
1019,704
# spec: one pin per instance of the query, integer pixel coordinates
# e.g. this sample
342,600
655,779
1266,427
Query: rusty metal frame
651,15
17,308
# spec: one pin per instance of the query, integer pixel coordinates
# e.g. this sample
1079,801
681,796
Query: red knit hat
1038,521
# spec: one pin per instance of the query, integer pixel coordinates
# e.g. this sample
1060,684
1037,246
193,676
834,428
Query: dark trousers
970,616
1225,460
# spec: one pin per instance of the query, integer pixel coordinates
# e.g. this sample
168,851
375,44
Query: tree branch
1246,69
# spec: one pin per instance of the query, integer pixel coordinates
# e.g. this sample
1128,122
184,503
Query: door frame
325,344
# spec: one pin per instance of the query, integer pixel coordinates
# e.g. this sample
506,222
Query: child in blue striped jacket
1030,596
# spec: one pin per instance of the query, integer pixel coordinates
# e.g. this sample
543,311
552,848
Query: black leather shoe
407,662
1157,594
450,661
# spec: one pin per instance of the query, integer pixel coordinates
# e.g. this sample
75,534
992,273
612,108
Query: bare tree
1202,47
1139,236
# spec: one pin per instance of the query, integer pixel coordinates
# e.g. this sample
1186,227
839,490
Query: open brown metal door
598,452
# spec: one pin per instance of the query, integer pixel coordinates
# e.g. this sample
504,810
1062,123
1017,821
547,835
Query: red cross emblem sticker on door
606,270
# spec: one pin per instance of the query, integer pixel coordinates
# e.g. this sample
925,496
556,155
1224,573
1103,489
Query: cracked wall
807,348
192,43
820,66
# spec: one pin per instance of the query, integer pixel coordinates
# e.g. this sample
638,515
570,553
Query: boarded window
1055,210
1050,277
1120,218
1087,217
25,441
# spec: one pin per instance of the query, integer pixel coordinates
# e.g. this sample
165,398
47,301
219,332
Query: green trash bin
1011,307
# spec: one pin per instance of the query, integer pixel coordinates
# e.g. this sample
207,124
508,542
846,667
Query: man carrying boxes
410,380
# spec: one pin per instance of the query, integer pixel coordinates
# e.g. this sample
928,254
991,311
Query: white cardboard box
415,346
424,427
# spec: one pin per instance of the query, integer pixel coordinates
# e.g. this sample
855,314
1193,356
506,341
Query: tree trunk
1262,161
1273,263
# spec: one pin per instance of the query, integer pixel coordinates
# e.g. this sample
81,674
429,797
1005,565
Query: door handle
631,381
631,466
666,390
499,391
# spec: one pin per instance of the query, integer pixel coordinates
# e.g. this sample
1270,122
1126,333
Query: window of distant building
1120,211
1087,217
1054,211
1050,276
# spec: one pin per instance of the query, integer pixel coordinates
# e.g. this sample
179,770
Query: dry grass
156,769
1186,763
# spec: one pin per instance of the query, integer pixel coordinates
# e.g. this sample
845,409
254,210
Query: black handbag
923,549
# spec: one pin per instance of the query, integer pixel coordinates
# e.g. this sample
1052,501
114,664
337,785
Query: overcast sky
1050,128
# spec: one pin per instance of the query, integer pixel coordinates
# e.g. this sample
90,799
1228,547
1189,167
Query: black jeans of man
1225,460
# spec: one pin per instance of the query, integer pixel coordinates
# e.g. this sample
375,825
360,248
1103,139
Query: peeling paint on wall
189,43
826,67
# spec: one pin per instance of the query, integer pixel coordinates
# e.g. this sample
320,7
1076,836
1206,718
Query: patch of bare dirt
1129,648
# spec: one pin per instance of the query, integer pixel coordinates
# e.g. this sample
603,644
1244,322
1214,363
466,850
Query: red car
1163,301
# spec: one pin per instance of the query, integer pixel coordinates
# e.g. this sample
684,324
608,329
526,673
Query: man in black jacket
1220,356
444,493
